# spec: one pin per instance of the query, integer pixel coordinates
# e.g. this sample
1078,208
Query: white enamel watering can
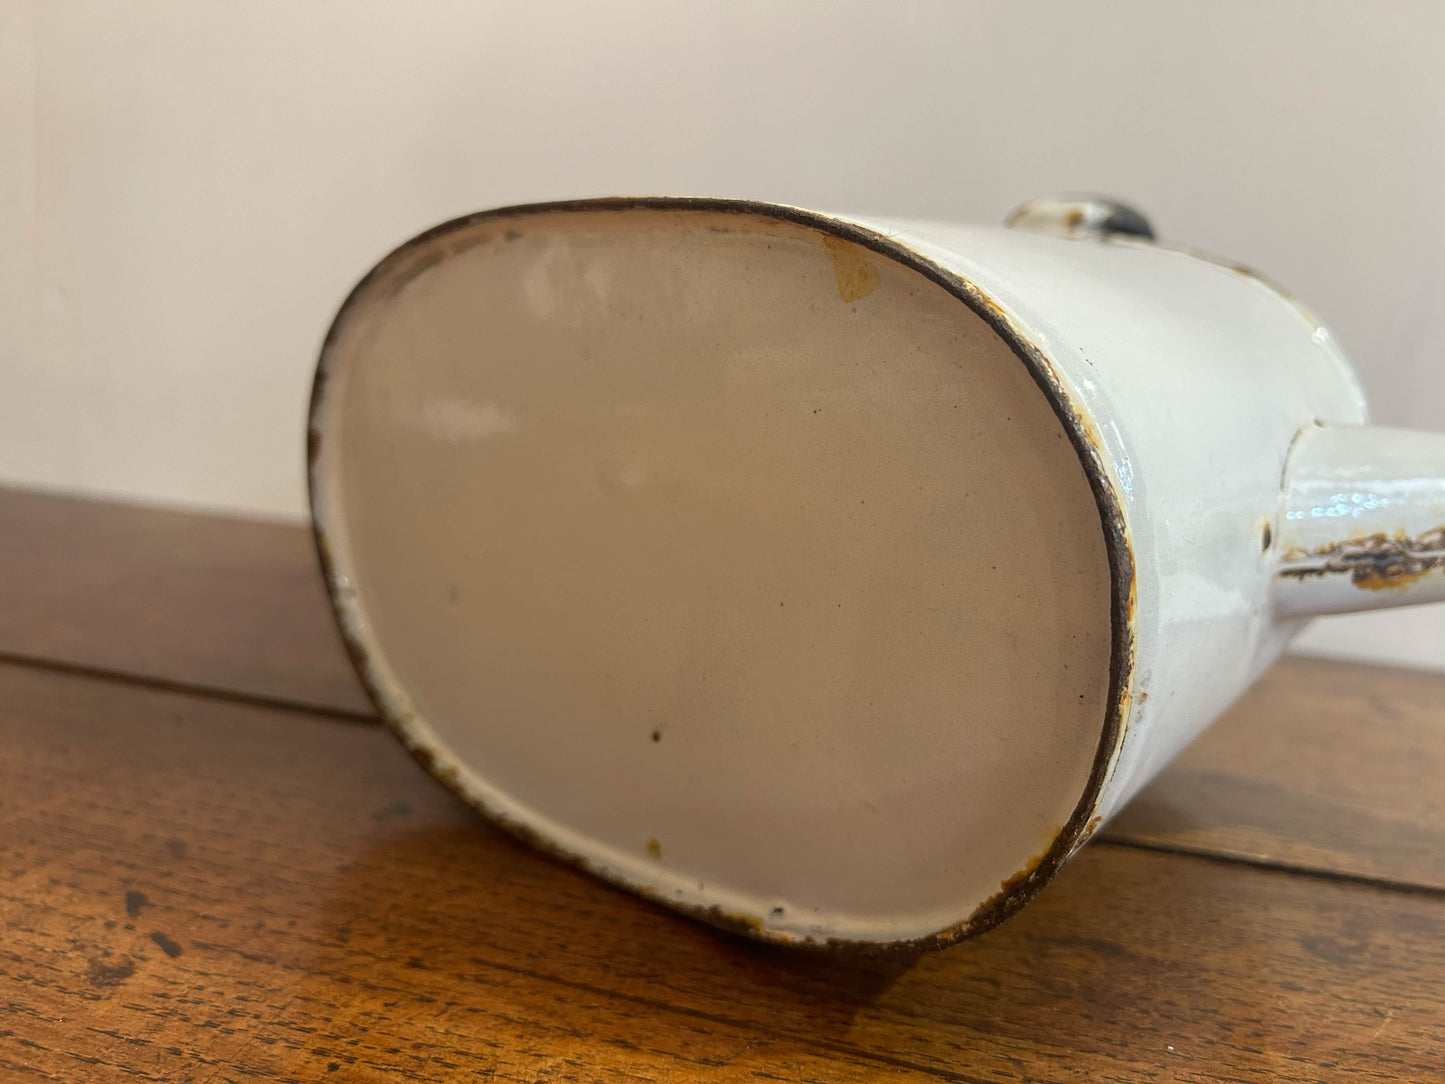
834,579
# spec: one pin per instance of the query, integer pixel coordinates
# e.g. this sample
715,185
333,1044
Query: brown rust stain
1126,711
1389,580
855,273
654,849
1013,880
1008,899
748,925
1376,562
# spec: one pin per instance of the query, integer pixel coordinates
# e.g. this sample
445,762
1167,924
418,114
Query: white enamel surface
1196,378
749,566
1201,390
1353,491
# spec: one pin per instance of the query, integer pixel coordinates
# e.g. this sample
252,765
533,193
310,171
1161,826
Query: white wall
188,189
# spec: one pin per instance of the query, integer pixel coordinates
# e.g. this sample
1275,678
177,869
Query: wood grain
1324,765
195,890
207,601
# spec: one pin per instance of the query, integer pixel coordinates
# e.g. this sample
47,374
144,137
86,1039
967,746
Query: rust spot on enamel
1376,562
1007,899
654,849
729,920
1009,883
856,275
1390,579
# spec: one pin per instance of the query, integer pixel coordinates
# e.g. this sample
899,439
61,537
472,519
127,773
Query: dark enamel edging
1026,883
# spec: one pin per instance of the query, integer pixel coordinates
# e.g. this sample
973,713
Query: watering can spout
1362,523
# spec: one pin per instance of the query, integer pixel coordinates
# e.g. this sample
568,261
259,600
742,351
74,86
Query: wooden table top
215,866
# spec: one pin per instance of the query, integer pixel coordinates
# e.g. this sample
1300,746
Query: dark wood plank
1324,765
202,600
195,889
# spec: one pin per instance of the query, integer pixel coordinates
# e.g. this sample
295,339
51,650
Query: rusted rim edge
1015,892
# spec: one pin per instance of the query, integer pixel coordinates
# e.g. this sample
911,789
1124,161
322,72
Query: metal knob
1080,217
